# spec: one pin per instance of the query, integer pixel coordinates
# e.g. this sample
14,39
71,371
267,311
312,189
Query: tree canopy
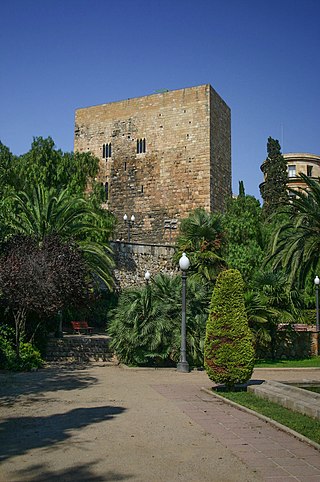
244,236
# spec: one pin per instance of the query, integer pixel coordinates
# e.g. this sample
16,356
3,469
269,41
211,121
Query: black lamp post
130,223
316,283
60,331
183,365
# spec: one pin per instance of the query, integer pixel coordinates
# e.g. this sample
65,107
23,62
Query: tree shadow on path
79,473
51,379
19,435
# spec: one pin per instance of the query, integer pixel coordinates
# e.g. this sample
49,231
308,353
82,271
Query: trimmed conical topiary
228,349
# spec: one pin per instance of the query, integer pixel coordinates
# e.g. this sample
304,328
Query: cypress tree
274,188
228,349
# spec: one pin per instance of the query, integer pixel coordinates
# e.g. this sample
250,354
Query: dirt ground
107,423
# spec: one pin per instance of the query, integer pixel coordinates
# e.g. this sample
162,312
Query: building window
106,189
291,171
309,171
141,146
106,150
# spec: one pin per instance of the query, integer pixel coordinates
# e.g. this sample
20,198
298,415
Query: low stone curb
263,417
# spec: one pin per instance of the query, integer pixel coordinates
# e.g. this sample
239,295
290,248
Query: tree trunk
20,323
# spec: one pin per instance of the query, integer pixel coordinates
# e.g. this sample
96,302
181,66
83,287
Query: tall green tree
244,234
274,189
46,165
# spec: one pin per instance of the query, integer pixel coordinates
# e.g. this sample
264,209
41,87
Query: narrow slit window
106,189
309,171
141,146
106,150
142,189
125,166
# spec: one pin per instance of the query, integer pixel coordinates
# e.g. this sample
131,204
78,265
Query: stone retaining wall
291,341
79,348
133,260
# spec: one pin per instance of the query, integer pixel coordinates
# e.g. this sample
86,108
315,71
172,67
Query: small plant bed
307,426
313,362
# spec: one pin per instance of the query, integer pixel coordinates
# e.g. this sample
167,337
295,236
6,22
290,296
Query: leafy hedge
228,350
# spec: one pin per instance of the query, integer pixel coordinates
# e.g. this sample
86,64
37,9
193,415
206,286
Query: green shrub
228,349
29,357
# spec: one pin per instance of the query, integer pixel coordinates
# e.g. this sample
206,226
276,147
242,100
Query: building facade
308,164
298,162
161,156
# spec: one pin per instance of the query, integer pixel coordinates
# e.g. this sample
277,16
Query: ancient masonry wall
133,260
186,163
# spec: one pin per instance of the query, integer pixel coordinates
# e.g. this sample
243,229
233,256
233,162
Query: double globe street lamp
183,365
130,223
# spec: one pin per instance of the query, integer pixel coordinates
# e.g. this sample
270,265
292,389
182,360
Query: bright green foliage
243,234
201,237
274,189
228,349
296,245
52,168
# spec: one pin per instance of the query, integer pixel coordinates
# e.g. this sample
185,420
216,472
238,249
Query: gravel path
107,423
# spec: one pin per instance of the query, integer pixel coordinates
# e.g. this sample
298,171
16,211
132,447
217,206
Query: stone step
79,348
288,396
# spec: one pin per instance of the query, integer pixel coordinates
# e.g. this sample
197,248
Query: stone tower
161,156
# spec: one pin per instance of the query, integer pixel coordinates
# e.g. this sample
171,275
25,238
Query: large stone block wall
133,260
187,163
220,152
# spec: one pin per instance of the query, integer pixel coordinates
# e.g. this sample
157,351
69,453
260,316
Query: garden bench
79,326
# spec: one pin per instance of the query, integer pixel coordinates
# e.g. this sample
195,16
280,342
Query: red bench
79,326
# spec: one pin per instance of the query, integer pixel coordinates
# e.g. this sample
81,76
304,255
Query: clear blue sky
261,56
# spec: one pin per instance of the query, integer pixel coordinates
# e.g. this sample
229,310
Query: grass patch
307,426
313,362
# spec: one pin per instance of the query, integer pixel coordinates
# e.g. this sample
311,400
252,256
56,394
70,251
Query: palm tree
70,216
146,325
201,237
296,245
140,328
